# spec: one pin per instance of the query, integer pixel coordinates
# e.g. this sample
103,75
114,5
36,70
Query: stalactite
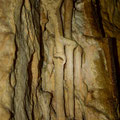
69,91
59,57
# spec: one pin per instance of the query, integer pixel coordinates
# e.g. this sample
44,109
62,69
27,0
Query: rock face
57,59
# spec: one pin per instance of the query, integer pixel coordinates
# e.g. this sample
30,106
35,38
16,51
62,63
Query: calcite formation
57,59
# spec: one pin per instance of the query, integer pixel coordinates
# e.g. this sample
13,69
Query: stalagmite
69,87
59,61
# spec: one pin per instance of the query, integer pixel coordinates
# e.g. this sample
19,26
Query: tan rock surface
55,62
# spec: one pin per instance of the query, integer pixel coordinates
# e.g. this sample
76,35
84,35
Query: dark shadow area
41,55
30,76
116,64
97,10
35,6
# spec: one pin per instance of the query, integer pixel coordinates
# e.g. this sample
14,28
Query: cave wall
57,60
20,56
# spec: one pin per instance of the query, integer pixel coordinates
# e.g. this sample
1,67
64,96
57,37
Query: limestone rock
57,59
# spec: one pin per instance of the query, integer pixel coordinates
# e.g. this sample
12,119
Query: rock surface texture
59,59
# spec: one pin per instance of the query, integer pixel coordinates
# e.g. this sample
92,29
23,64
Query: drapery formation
56,61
